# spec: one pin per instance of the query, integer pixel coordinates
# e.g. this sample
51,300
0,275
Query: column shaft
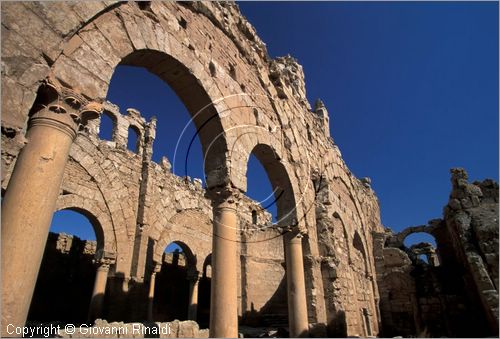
97,300
193,299
27,210
224,293
151,296
297,305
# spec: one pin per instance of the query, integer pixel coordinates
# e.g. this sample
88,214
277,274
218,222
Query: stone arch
398,239
140,41
279,177
207,262
133,128
190,256
175,230
358,244
179,75
114,121
101,222
347,240
112,190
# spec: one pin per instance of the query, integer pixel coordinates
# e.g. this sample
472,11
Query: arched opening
172,289
66,278
357,243
259,189
421,247
275,193
422,258
134,139
185,140
419,237
263,257
254,217
107,126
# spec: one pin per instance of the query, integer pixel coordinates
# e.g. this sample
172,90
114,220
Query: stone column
151,294
224,292
194,279
31,196
101,278
297,305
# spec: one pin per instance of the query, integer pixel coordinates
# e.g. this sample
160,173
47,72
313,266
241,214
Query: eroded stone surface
457,283
356,276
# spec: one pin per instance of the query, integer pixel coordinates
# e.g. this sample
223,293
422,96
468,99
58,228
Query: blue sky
411,88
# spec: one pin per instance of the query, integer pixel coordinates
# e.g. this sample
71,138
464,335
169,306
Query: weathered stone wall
212,58
457,285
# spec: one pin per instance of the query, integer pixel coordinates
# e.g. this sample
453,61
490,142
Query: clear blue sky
412,90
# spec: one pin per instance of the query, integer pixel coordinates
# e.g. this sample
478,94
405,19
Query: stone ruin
327,267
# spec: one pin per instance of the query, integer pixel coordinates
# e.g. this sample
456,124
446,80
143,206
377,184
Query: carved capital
295,230
157,268
62,108
225,197
104,259
104,263
193,275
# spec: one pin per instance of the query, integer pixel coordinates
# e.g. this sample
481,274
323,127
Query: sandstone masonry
327,267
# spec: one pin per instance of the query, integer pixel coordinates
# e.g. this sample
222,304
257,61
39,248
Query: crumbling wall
455,287
346,262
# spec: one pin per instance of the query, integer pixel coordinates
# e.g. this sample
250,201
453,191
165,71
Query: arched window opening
177,137
267,183
259,189
360,249
172,289
422,248
423,258
134,139
254,217
419,237
107,126
358,243
66,279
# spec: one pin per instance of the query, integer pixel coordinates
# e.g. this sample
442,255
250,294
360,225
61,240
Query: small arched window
254,217
133,142
107,126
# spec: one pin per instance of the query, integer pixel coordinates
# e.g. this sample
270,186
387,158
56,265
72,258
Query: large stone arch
357,243
281,176
96,213
113,192
163,48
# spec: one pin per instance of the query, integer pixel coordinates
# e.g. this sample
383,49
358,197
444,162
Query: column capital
104,259
295,231
193,275
104,263
156,268
62,108
225,197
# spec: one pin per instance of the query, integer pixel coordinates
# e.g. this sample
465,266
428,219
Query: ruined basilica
328,267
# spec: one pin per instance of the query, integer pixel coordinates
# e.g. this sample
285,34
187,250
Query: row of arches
68,273
107,131
277,198
216,112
